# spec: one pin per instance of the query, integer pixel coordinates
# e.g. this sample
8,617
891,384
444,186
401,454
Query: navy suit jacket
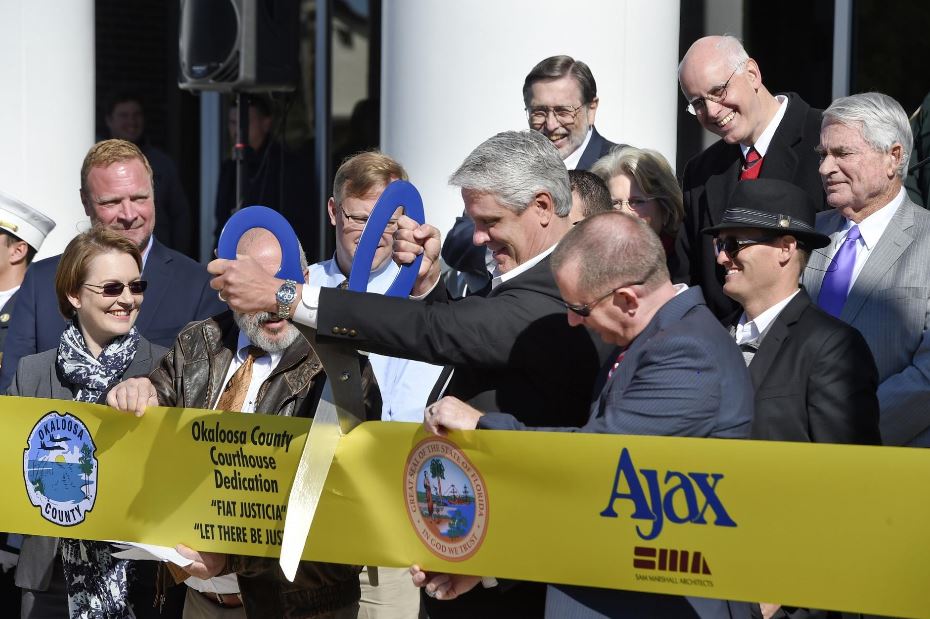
178,293
710,178
682,376
462,255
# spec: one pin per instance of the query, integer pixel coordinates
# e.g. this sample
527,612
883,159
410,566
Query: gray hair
515,166
612,249
653,174
732,51
880,120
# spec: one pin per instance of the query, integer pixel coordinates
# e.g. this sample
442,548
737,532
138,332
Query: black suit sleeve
474,331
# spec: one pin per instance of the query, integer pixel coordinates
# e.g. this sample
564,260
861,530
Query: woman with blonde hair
641,182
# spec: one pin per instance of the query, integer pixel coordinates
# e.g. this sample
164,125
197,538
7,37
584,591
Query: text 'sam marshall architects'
822,526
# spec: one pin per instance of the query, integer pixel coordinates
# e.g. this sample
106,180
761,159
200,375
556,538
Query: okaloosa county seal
60,469
446,499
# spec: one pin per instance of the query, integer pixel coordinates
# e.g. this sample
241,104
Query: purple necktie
836,282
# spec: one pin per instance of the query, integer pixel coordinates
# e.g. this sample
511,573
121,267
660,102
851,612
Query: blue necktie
839,274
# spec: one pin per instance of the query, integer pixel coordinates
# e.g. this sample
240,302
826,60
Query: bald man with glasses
674,372
762,135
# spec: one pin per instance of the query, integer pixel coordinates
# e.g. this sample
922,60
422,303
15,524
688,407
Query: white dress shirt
762,144
750,330
405,385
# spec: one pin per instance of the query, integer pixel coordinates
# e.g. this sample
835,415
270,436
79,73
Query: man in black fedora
814,377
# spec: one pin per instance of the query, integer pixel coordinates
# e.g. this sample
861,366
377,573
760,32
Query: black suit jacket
815,380
178,293
512,350
709,180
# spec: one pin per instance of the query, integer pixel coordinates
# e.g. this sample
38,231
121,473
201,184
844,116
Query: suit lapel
592,152
775,336
895,240
831,224
158,285
781,160
718,189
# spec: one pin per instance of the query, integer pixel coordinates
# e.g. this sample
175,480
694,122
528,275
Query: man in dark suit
560,98
874,274
814,376
511,350
761,136
116,190
674,372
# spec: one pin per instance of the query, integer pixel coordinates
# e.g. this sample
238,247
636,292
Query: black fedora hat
773,205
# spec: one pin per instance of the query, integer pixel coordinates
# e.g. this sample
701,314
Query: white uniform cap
24,221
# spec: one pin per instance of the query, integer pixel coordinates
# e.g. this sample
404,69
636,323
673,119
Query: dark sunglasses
115,289
733,246
585,310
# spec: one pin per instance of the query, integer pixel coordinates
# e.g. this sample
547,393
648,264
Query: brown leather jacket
191,375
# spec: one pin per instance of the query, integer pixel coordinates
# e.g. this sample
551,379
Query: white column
47,114
452,76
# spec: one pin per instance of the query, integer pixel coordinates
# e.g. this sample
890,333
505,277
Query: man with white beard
251,363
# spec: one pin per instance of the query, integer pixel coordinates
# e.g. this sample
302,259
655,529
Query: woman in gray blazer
99,292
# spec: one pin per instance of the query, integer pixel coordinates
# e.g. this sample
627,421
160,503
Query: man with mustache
761,136
253,363
117,193
560,99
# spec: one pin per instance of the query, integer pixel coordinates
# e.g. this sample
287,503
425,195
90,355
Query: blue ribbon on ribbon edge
398,193
273,221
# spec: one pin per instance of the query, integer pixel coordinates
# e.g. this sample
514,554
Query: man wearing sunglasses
560,100
814,377
761,136
674,372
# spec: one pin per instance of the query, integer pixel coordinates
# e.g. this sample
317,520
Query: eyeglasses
360,221
115,289
733,246
632,203
585,310
717,95
564,114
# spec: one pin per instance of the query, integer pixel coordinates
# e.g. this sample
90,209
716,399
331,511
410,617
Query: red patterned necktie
615,365
751,165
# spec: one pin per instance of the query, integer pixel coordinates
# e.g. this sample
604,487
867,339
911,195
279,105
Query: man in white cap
23,229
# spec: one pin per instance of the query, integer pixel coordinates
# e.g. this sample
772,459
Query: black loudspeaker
238,45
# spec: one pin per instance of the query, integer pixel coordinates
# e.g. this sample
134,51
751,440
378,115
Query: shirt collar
242,350
762,144
383,277
526,266
872,227
750,330
147,250
571,162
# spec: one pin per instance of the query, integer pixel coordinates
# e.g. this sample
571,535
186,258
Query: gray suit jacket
890,305
37,377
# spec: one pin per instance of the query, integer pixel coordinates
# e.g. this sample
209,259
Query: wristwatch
285,296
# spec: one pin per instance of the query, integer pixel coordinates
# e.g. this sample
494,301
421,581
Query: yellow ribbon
822,526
